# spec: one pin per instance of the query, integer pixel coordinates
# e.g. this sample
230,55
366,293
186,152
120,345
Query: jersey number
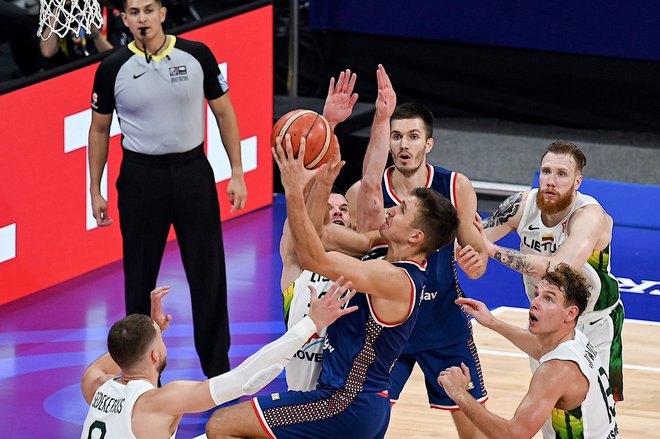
97,425
607,394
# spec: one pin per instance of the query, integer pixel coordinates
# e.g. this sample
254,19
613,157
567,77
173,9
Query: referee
158,84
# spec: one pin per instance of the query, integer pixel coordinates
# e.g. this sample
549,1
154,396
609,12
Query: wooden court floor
506,373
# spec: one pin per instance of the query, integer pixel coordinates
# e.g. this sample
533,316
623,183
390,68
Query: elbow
371,184
308,260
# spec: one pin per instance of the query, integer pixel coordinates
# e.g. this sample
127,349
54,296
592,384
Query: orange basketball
320,140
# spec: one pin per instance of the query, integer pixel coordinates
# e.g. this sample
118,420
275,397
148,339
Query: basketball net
64,16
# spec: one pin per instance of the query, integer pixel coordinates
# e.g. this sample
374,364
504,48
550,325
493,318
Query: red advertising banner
47,234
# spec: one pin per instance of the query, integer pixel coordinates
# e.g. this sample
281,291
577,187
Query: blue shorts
432,362
323,413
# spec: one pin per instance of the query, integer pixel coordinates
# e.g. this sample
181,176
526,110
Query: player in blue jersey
442,336
351,398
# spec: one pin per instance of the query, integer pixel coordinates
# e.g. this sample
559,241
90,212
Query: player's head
143,14
134,339
425,220
560,176
338,212
561,297
411,136
562,147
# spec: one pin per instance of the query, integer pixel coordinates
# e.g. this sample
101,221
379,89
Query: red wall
44,236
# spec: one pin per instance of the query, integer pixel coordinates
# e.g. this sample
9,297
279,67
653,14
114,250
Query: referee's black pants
177,189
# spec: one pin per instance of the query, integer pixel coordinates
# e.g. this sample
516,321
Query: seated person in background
120,386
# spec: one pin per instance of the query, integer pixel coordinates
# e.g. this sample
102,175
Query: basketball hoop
64,16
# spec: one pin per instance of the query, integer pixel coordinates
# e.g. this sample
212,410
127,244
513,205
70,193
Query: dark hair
564,147
572,283
129,339
337,190
412,110
436,217
124,3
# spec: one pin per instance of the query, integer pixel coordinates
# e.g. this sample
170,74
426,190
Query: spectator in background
58,51
180,12
18,27
114,29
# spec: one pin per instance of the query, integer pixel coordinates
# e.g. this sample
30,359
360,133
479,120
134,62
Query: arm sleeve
215,85
262,367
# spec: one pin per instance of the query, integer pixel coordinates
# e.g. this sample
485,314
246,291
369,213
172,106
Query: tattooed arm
531,265
504,220
506,217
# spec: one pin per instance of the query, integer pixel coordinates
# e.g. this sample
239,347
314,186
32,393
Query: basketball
320,140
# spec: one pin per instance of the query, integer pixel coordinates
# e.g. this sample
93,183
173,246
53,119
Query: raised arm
340,100
226,118
99,138
317,206
548,385
368,195
379,278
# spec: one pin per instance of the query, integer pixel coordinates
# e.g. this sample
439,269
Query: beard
553,206
408,170
163,364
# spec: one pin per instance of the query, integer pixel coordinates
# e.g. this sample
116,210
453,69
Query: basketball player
121,387
556,223
304,368
158,85
570,385
436,343
351,397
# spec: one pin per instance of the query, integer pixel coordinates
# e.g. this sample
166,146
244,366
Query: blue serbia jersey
440,322
360,349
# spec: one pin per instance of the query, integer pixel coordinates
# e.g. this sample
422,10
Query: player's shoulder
592,213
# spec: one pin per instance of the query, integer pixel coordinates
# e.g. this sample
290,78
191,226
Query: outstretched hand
157,313
386,100
329,307
340,100
476,309
295,177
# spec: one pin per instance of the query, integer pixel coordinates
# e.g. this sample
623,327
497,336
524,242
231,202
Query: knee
214,426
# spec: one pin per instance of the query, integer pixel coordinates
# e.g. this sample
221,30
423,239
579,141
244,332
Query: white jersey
539,239
111,410
304,368
595,417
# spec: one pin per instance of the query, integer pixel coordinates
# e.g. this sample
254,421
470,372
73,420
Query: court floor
47,339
